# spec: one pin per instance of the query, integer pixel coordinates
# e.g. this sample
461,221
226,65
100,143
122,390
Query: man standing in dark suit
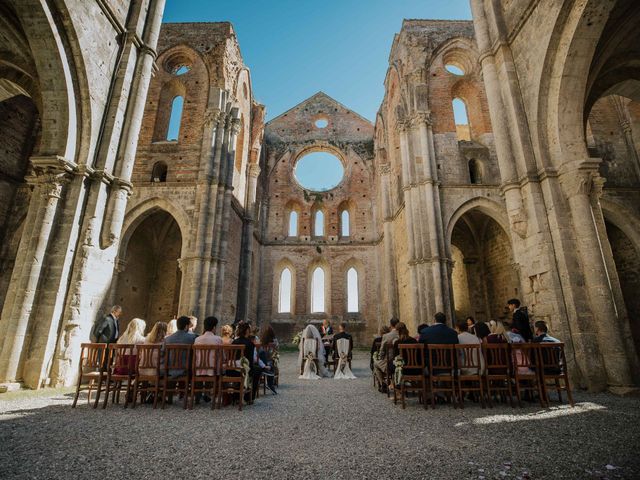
106,330
520,319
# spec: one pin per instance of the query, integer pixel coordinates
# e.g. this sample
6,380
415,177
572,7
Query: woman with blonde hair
134,334
172,326
157,333
498,333
227,334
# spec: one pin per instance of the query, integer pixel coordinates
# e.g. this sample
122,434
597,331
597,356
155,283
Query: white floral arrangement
296,338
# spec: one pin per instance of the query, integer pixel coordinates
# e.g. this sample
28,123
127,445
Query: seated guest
466,338
227,334
265,355
194,324
326,328
134,334
482,331
209,337
342,333
172,326
438,334
513,336
382,364
243,330
376,342
404,339
182,337
541,333
471,324
421,327
498,333
155,337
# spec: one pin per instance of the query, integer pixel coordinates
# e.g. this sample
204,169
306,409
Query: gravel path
319,429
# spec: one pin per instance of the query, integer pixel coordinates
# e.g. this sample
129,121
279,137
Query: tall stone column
246,270
414,239
16,313
222,253
580,186
389,250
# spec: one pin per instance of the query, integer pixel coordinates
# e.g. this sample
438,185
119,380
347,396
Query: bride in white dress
311,354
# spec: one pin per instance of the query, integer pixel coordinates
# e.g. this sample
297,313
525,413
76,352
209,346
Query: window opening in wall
319,171
475,174
317,291
182,69
175,118
352,290
321,123
454,69
284,299
159,172
318,227
344,223
463,131
293,224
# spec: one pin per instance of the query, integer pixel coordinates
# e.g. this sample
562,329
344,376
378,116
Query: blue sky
295,48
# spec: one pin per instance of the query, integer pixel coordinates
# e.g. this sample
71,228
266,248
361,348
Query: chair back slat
412,355
441,358
496,357
122,357
552,358
524,355
148,357
92,356
177,356
230,355
469,356
207,359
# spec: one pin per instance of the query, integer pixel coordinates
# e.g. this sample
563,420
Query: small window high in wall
463,131
159,172
293,224
317,291
344,223
284,293
175,119
318,224
475,171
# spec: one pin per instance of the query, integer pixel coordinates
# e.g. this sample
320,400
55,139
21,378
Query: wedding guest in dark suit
342,333
182,336
438,333
520,319
106,330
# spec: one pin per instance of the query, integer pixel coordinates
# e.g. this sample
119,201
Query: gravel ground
319,429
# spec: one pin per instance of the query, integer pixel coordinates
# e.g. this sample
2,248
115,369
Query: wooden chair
442,376
524,357
413,379
148,377
553,366
270,349
91,368
231,380
205,370
121,368
177,360
470,363
497,370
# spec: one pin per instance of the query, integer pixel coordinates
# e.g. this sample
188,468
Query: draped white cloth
311,348
342,370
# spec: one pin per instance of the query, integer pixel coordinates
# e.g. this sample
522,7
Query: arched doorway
148,287
627,259
19,122
483,277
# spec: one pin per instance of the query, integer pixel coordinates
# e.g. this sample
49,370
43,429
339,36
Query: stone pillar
625,124
16,313
413,234
389,256
581,187
246,269
226,209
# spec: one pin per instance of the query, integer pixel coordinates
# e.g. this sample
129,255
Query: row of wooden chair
162,371
455,370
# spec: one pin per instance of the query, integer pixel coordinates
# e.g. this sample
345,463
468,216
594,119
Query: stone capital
254,170
402,126
421,118
385,169
582,182
211,117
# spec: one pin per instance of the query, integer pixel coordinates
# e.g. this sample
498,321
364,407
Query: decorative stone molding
421,118
582,182
211,117
254,170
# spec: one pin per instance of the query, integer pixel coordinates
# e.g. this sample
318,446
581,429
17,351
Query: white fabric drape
342,370
309,348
